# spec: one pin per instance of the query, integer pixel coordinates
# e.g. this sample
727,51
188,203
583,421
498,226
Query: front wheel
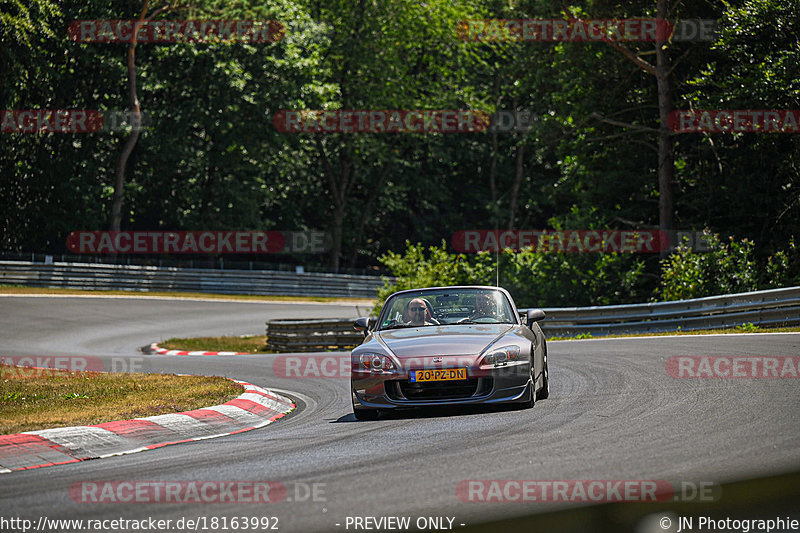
544,392
527,404
364,414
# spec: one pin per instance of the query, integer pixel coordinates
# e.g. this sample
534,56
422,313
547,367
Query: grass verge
19,289
246,344
32,399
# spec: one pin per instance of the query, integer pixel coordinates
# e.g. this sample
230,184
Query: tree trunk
340,182
369,207
493,177
337,224
518,172
136,122
666,148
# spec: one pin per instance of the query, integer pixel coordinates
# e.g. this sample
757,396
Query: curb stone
255,408
155,348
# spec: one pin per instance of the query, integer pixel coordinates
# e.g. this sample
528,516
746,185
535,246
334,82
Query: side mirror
362,324
534,315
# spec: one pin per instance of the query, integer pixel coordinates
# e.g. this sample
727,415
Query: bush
782,268
727,268
571,279
533,279
538,279
440,268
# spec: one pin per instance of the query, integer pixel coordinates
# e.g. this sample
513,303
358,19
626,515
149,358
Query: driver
416,313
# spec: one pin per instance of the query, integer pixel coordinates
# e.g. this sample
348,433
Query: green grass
19,289
744,328
246,344
32,399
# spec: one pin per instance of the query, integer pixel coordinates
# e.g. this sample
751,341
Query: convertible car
448,346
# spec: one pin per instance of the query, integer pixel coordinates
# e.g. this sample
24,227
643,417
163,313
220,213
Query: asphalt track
614,413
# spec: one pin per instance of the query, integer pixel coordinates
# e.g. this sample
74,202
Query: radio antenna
497,264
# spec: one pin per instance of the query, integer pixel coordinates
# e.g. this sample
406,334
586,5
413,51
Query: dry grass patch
32,399
246,344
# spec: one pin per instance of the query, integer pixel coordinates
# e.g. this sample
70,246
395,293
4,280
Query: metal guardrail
214,262
762,308
148,278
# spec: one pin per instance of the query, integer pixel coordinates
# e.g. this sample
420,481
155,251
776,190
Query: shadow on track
434,412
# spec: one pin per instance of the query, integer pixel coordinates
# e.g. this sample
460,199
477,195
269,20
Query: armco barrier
146,278
763,308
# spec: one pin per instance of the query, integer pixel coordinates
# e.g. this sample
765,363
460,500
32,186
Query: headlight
500,356
375,362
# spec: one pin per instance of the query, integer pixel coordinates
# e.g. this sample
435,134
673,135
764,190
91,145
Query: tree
397,54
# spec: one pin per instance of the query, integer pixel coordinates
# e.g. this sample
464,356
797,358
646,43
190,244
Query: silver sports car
448,346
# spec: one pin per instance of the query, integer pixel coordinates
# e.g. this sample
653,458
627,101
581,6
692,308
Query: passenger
485,307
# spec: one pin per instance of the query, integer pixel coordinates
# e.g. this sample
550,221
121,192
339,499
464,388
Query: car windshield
446,307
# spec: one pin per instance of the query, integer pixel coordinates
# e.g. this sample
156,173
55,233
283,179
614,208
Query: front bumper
500,385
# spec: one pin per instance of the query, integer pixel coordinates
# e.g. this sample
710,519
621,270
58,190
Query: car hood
464,339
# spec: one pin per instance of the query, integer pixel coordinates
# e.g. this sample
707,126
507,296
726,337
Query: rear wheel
544,392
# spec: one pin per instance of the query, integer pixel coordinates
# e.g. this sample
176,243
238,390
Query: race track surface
614,413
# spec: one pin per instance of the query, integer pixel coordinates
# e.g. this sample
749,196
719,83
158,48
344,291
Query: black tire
527,404
544,392
366,414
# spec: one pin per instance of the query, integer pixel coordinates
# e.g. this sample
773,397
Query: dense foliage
534,279
210,158
568,279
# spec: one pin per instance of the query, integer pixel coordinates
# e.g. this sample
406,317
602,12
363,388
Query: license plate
438,374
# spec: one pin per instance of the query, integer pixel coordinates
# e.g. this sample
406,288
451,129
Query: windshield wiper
462,322
400,326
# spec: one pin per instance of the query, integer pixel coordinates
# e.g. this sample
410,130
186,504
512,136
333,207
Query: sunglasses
417,309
